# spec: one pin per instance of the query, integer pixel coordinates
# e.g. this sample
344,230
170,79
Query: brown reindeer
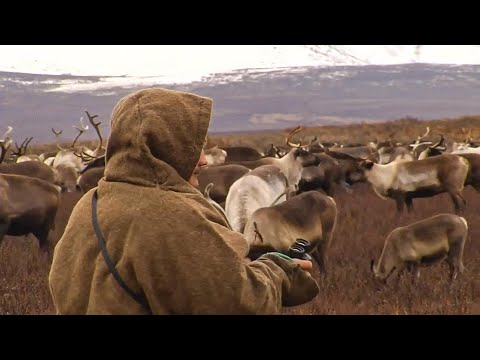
437,238
27,205
309,216
405,180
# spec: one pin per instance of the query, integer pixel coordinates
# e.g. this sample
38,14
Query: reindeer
473,176
468,146
32,169
215,156
424,150
403,181
20,154
310,216
70,162
89,179
432,240
389,151
27,205
222,178
74,156
259,187
323,177
236,154
273,151
359,152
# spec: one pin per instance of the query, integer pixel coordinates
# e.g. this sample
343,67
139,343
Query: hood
156,138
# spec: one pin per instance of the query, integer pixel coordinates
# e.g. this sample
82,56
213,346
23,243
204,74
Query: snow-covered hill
254,99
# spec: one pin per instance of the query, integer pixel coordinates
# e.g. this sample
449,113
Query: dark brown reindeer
34,169
309,216
27,205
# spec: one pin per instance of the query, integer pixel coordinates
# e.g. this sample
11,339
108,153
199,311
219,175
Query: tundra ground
364,221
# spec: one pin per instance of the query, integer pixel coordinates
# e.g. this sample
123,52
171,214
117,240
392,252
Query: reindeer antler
80,130
439,143
424,135
22,149
86,157
293,132
96,125
57,139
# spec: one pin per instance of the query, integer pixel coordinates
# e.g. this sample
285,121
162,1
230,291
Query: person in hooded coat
170,247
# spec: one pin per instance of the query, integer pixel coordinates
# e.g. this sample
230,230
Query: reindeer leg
319,256
409,202
454,261
398,274
400,200
42,236
453,274
459,202
416,270
4,225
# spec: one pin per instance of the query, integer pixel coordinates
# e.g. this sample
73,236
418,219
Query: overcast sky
192,61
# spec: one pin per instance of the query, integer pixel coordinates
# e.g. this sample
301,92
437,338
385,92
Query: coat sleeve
194,269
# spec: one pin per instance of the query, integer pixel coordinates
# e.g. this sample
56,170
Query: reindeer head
299,152
272,151
304,157
215,156
378,275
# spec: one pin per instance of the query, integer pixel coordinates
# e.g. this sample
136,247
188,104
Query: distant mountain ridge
252,99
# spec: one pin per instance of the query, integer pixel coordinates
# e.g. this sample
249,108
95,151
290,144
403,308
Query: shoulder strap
111,266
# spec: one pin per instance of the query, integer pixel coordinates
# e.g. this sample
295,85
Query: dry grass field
364,221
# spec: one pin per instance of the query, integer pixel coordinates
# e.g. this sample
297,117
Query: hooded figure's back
166,241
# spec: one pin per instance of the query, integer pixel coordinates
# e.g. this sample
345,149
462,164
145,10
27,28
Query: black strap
111,266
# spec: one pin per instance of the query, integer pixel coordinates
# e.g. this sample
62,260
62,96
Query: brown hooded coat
166,241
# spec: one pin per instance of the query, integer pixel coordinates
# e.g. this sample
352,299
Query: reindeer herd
276,197
288,194
31,185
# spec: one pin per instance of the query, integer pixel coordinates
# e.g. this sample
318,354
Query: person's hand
304,264
300,287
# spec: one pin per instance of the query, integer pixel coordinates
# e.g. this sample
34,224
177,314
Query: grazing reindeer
437,238
310,216
27,205
261,186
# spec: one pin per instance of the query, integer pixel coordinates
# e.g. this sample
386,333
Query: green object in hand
282,255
